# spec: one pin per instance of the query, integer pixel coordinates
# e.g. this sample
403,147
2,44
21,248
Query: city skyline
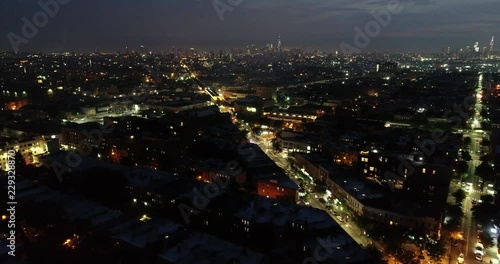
250,131
420,26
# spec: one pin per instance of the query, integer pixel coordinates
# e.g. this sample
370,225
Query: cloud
119,23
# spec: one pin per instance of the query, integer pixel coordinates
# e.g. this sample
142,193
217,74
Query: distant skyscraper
476,47
492,43
279,42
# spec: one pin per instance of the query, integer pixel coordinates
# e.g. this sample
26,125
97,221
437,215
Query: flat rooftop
200,248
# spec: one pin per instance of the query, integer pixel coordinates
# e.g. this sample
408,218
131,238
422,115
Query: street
469,226
347,223
473,189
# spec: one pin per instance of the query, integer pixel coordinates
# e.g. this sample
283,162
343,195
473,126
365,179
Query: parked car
479,249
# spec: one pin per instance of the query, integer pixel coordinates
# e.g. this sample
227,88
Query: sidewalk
491,254
493,261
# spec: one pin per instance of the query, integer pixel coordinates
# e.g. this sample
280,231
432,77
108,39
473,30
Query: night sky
112,25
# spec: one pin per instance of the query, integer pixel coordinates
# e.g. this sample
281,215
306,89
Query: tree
436,251
377,256
453,217
462,167
454,211
453,224
392,236
406,256
459,196
485,158
485,171
486,239
377,232
487,198
485,125
485,142
466,156
245,133
483,213
467,141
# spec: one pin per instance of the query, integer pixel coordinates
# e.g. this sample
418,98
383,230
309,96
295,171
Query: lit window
423,170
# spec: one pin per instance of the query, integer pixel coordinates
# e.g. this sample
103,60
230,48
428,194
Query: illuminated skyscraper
492,43
279,43
476,47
